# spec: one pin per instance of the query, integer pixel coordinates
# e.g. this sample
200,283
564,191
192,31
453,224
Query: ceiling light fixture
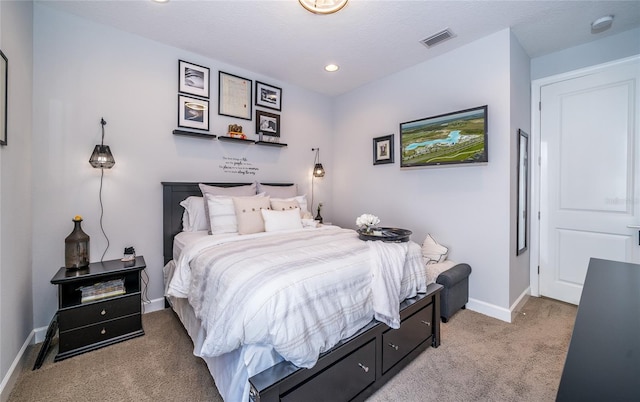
323,6
331,68
601,24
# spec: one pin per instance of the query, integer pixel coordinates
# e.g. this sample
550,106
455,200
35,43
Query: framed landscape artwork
447,139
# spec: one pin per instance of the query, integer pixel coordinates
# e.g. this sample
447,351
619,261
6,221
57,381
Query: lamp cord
102,214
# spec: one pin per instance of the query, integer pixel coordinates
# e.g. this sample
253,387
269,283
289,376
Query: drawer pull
103,312
427,323
363,367
393,346
104,331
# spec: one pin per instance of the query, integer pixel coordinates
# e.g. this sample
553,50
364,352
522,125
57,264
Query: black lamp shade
318,170
102,158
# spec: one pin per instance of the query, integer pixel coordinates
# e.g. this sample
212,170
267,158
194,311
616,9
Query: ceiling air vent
437,38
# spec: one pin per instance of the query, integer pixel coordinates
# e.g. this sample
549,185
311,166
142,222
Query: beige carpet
480,359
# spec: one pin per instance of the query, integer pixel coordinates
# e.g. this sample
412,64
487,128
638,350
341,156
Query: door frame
535,157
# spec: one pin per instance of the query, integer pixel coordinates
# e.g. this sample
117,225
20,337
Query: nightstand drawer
94,335
93,313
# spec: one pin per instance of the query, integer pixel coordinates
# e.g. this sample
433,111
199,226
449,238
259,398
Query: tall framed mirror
523,192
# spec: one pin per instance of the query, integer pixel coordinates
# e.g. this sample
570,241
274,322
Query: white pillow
432,251
194,217
222,214
281,220
300,199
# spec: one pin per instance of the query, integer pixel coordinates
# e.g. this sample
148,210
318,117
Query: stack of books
102,290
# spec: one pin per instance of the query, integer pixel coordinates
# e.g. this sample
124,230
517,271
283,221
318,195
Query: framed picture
267,123
268,96
383,149
234,96
193,79
523,191
193,113
4,79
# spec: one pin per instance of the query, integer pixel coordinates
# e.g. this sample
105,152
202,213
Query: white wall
520,119
467,207
598,51
84,71
16,304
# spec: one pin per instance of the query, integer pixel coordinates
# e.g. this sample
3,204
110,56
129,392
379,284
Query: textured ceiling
369,39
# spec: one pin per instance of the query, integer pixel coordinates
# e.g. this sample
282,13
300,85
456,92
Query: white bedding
300,292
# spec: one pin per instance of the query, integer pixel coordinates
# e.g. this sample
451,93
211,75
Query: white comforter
300,291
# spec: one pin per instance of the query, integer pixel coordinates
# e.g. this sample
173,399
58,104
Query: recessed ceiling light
331,67
602,24
160,1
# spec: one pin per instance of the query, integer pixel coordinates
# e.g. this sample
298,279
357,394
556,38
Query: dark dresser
89,319
603,361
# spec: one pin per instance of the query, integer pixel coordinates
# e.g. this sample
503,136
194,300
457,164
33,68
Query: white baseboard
9,380
153,305
500,313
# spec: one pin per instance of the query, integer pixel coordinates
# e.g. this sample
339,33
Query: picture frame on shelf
383,149
193,79
4,80
268,96
267,124
234,96
193,113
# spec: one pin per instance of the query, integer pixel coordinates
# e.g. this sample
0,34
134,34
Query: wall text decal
238,166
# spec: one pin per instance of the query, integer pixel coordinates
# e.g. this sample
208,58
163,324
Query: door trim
535,152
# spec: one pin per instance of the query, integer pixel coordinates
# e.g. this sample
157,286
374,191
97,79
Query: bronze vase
76,247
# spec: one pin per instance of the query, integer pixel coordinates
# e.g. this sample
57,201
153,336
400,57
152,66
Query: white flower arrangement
367,221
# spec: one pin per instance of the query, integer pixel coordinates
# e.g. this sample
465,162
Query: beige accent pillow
301,200
248,213
237,191
281,220
432,251
283,205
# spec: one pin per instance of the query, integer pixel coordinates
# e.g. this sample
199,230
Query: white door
589,175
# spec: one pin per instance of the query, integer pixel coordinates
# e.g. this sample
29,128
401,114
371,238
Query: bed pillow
281,220
278,191
237,191
248,213
222,214
282,202
432,251
194,217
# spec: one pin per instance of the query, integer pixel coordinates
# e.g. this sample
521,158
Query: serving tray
386,234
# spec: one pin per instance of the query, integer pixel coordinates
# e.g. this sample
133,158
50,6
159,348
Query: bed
348,365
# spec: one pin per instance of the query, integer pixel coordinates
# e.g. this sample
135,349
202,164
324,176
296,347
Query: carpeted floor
480,359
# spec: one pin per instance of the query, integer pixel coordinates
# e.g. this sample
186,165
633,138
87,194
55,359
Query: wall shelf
267,143
233,139
271,144
194,134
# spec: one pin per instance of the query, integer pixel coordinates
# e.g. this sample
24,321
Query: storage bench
455,294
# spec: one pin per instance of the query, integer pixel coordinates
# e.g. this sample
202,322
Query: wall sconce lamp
318,170
102,159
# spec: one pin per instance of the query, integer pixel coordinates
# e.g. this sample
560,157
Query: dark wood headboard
172,195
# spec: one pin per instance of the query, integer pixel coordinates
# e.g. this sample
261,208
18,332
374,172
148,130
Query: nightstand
91,316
